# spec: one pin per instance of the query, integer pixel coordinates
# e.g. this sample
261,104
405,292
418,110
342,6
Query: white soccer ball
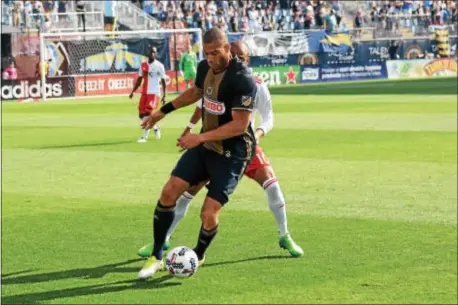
182,262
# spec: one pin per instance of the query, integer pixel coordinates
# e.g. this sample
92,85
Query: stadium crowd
414,15
35,14
261,15
243,16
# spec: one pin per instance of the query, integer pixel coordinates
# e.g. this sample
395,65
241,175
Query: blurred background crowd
255,15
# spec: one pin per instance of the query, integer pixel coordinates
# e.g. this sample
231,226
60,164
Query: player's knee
172,191
193,190
264,175
210,213
209,219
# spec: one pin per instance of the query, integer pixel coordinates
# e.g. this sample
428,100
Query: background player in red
258,170
150,73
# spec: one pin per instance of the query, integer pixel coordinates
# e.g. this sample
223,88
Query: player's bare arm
187,98
137,84
195,118
240,122
164,91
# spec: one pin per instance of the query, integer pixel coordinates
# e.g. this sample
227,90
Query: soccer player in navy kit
219,154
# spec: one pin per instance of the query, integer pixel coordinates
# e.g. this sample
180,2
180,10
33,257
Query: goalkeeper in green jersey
188,66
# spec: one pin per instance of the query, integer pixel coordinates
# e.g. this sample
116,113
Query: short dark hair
214,35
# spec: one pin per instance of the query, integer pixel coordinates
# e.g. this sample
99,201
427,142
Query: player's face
152,55
218,55
241,54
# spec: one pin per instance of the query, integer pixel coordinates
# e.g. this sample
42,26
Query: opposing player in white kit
259,169
150,73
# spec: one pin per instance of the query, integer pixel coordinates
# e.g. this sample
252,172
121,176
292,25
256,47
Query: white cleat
141,140
151,266
157,132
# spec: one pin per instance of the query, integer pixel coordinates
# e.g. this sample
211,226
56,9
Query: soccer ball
182,262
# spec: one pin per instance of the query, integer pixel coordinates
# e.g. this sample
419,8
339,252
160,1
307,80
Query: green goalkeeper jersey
188,62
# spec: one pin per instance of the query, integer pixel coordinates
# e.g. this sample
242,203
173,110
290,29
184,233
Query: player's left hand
151,120
189,140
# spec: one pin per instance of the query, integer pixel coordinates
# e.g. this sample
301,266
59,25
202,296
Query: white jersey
263,105
152,74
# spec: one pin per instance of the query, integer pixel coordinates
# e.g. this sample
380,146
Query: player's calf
265,177
210,218
165,212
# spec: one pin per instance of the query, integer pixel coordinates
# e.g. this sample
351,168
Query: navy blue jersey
232,89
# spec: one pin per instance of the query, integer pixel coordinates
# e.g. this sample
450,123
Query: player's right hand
131,95
185,132
151,120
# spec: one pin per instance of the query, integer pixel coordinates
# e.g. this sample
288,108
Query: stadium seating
384,18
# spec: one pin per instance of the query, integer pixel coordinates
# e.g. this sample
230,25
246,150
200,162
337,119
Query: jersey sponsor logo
246,101
214,107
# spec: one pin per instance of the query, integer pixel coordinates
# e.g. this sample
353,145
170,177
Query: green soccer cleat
287,243
147,249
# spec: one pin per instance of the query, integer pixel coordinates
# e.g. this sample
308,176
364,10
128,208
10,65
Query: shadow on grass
98,272
85,273
86,144
267,257
5,275
434,86
37,297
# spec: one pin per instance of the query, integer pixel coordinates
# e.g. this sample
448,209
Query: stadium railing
68,22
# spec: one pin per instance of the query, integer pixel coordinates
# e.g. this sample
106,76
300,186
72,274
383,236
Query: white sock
276,204
146,133
156,127
181,209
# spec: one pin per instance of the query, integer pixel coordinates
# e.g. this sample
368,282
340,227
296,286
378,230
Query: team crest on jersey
209,90
214,107
246,101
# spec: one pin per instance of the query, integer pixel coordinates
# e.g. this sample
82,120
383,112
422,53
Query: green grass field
369,172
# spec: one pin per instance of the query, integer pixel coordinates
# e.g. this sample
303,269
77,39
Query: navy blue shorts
200,164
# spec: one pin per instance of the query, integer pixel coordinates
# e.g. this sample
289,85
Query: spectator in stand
244,22
80,9
197,17
46,25
220,20
330,22
455,14
62,9
319,14
298,21
359,19
336,6
37,13
48,6
18,9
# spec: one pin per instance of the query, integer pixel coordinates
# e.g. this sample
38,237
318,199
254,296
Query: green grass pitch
368,171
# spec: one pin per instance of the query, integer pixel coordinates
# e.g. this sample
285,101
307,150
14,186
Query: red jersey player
150,73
